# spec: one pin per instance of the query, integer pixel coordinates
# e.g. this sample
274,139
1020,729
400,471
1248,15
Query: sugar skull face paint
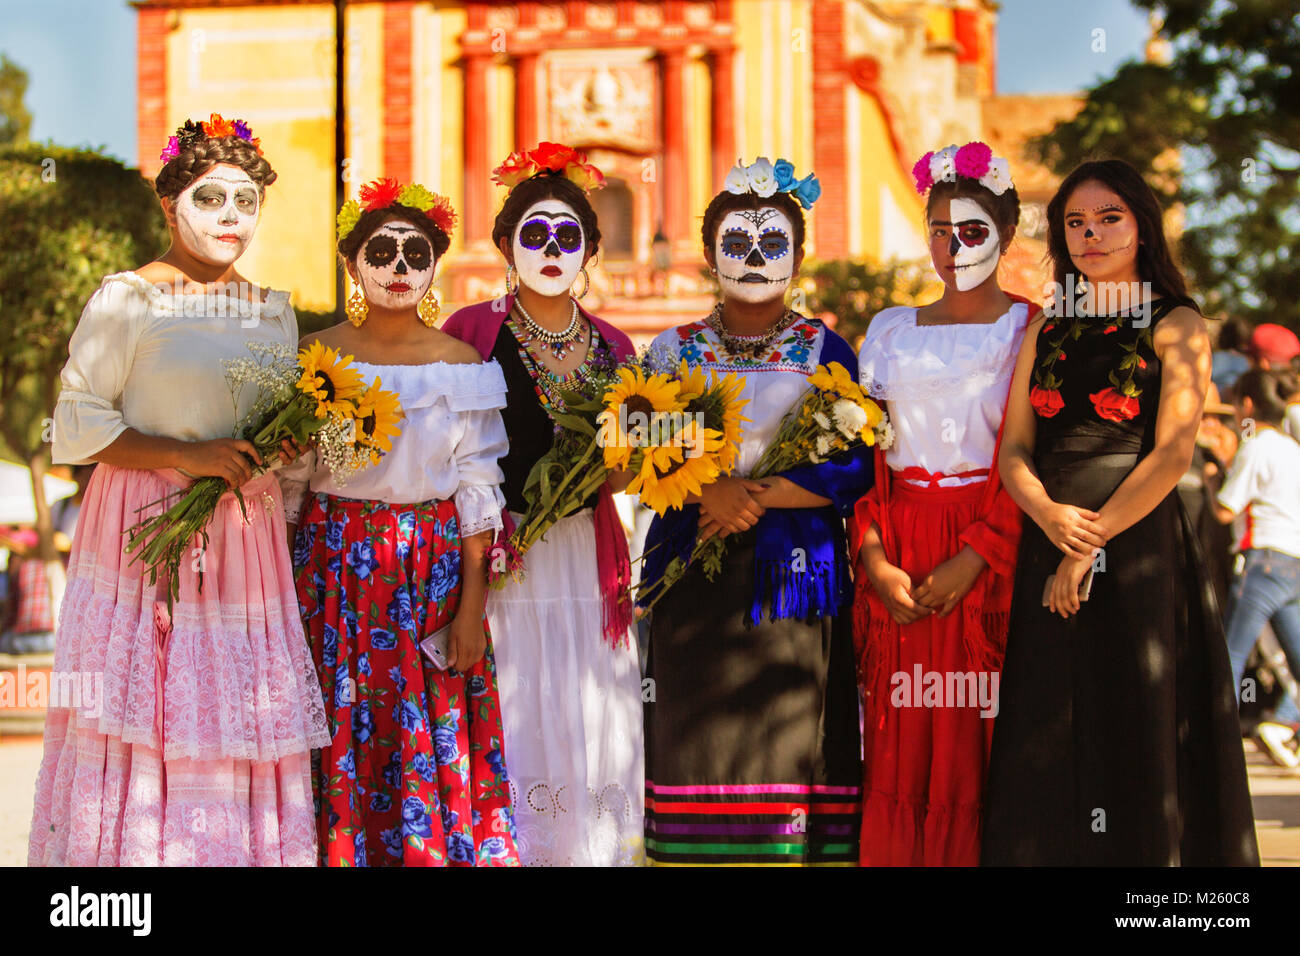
549,246
754,253
216,215
395,266
965,246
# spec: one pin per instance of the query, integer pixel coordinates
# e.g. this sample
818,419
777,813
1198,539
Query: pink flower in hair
171,150
973,160
921,173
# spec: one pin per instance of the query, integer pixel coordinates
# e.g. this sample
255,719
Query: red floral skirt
927,733
414,774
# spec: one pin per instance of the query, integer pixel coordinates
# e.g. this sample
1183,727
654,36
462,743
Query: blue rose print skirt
414,774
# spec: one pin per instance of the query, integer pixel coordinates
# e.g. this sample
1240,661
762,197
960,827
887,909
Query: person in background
1216,443
1230,358
1293,404
27,624
1263,483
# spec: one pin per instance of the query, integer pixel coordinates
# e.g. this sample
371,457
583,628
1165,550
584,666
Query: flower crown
549,158
216,127
383,193
973,161
764,178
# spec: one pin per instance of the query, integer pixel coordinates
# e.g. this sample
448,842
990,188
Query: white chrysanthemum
850,419
762,177
737,180
998,178
943,165
885,435
825,444
822,421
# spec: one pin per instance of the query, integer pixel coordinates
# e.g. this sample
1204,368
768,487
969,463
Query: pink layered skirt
179,740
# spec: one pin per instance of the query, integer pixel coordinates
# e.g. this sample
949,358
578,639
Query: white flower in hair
737,180
762,177
943,165
998,178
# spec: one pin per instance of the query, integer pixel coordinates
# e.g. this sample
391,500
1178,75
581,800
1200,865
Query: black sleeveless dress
1117,741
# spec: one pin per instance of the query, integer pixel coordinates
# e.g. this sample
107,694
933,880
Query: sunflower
671,472
378,412
327,378
633,394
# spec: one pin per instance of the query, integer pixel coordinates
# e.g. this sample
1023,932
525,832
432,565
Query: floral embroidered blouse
1093,373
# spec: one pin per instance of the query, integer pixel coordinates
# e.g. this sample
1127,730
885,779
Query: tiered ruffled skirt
179,740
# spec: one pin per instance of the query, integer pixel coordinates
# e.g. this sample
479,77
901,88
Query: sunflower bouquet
315,395
675,431
835,415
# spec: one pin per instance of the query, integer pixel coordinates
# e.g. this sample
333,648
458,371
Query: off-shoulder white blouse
452,436
946,386
150,360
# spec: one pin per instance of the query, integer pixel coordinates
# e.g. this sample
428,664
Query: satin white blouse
146,359
946,386
452,435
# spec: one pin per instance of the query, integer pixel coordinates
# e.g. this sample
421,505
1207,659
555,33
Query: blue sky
80,57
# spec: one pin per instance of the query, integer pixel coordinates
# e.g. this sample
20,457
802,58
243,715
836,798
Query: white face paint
975,244
549,245
216,215
395,266
754,254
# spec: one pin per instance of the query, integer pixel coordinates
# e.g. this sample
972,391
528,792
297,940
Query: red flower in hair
442,215
379,194
556,156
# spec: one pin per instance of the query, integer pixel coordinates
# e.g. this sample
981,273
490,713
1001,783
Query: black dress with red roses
1117,741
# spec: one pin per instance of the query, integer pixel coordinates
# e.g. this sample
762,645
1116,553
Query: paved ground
1276,796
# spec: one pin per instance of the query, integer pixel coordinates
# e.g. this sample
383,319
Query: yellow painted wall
273,68
873,164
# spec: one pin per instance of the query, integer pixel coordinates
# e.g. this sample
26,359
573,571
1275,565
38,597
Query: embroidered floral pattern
791,353
1122,400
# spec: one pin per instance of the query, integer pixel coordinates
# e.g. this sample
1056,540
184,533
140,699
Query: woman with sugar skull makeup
1117,743
935,539
414,773
569,670
752,744
195,750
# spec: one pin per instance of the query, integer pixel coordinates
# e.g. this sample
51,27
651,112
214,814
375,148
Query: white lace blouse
452,435
946,386
146,359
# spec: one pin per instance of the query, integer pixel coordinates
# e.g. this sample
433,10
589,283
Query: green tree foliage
854,290
71,217
1228,100
15,120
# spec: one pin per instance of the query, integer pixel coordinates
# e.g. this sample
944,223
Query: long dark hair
1155,263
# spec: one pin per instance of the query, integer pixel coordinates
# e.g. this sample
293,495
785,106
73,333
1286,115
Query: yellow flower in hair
417,197
348,217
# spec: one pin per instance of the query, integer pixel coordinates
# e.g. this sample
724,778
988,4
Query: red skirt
928,703
414,774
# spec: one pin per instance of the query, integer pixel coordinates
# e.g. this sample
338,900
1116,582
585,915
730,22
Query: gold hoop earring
586,284
357,308
512,279
429,308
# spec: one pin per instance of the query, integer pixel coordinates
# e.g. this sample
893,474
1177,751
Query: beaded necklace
748,346
547,383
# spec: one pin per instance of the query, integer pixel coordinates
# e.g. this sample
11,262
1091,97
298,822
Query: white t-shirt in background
1265,477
